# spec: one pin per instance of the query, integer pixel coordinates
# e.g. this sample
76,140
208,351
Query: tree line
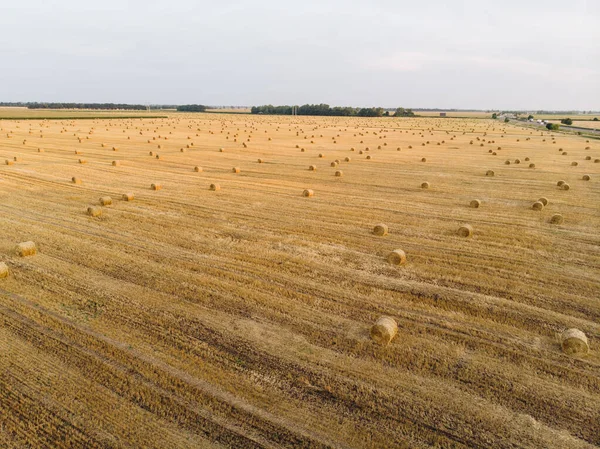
105,106
325,110
191,108
108,106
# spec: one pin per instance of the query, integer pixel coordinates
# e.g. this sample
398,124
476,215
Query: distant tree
494,116
386,114
552,126
506,120
566,121
370,112
401,112
530,117
595,119
191,108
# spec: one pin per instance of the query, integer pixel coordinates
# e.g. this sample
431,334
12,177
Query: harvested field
241,317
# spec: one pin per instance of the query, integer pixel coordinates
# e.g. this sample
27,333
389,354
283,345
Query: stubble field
240,317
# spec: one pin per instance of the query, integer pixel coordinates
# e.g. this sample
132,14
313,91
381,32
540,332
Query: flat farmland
592,124
31,114
240,317
456,114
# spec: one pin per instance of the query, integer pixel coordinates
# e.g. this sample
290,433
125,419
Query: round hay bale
397,257
588,158
538,205
573,341
532,165
75,180
82,161
215,187
302,150
596,161
339,173
151,153
308,192
384,330
425,185
334,164
235,170
116,149
197,169
543,200
24,249
155,186
321,155
221,150
158,156
475,204
574,164
586,177
507,162
94,211
128,197
105,201
557,219
494,153
560,183
489,173
566,186
423,159
347,159
517,161
116,163
312,168
3,270
260,161
380,229
182,150
465,230
352,149
526,159
368,156
41,150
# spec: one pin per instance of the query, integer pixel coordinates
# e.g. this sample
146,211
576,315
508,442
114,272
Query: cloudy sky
504,54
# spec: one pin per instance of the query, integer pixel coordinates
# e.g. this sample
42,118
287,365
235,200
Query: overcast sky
505,54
